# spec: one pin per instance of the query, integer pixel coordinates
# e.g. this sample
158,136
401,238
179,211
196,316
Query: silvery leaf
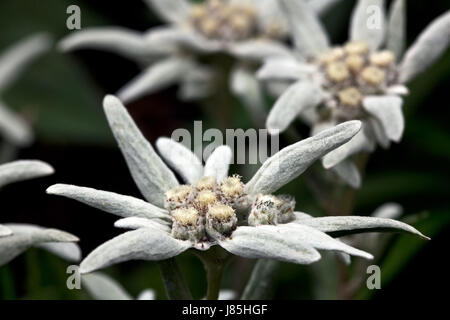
298,97
345,225
197,83
245,86
140,244
138,222
379,133
259,50
284,69
320,240
147,294
396,32
267,242
102,287
151,175
360,142
117,204
398,90
23,170
160,75
368,23
25,236
349,173
5,231
387,110
13,128
174,11
67,251
227,294
388,211
15,59
308,34
128,43
293,160
428,47
322,6
181,159
218,163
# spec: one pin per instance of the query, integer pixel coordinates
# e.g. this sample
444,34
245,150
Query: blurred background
61,94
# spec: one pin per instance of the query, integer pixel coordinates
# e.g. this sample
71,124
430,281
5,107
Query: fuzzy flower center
270,209
206,209
352,72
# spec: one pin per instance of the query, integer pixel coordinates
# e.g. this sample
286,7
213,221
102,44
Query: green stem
214,260
173,279
261,279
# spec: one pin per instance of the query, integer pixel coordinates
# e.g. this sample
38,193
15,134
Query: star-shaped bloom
213,208
12,62
16,238
247,31
363,79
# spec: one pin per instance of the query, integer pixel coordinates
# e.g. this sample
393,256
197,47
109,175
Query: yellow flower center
337,71
205,198
206,183
186,216
373,75
354,62
382,58
350,97
232,186
221,212
356,47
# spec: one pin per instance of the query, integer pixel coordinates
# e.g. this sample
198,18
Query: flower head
212,208
362,79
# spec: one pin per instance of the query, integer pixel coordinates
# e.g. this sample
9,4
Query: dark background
63,93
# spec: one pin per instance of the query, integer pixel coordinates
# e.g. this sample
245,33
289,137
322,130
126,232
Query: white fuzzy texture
141,244
114,203
361,28
428,47
158,76
259,50
309,37
174,11
23,170
388,111
348,172
13,128
102,287
357,224
151,175
181,159
138,222
218,163
396,32
25,236
268,242
389,210
128,43
5,231
360,142
293,160
300,96
16,58
284,69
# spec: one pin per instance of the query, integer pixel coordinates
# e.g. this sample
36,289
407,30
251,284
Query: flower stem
261,280
176,288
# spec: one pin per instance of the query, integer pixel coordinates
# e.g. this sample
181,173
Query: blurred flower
102,287
245,30
16,238
363,79
212,207
12,62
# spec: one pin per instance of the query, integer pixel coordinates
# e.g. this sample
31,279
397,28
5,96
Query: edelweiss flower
12,62
212,207
16,238
363,79
246,30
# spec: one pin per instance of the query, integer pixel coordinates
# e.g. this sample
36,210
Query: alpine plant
362,79
213,208
16,238
241,33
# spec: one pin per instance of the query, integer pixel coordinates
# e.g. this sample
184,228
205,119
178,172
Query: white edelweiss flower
13,61
363,79
102,287
211,207
16,238
246,30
